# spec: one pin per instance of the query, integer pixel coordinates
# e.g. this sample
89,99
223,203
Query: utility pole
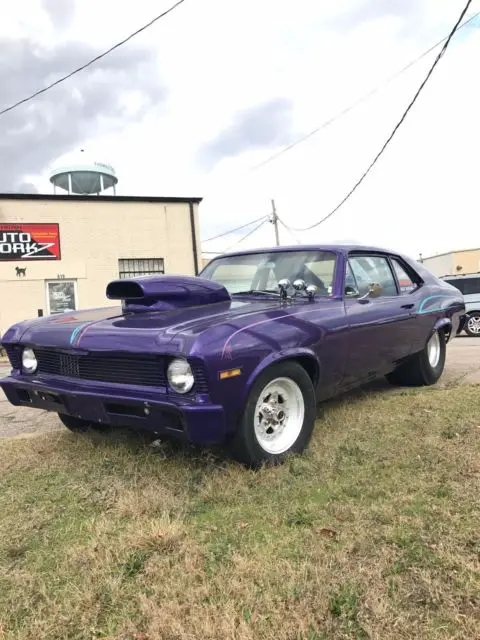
274,221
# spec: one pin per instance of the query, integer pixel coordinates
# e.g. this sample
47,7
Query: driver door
379,324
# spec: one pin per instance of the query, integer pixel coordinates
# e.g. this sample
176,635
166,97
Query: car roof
338,248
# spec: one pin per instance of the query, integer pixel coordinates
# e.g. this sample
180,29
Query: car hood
113,328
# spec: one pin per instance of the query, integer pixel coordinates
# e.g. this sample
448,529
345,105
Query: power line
88,64
290,232
364,98
339,115
226,233
396,128
245,236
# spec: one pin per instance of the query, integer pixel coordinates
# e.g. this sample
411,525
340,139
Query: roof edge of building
102,198
449,253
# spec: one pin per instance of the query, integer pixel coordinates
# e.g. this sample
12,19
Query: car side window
404,280
472,286
466,286
458,284
369,270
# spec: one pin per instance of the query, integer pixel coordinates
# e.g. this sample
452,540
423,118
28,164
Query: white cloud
217,59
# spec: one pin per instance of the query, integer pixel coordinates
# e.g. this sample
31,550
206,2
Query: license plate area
90,409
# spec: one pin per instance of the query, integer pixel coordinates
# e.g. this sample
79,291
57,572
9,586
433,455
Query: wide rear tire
279,416
424,368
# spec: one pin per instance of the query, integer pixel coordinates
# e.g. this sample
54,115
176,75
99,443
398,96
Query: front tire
279,416
472,328
424,368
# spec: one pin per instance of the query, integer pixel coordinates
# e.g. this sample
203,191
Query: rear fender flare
444,324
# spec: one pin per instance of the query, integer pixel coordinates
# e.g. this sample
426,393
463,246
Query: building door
61,296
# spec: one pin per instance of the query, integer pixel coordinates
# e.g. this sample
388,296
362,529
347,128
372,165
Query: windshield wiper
252,292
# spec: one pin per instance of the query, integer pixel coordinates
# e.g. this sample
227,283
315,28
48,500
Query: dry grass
373,534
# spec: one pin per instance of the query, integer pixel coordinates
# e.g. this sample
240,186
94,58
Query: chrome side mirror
351,292
374,290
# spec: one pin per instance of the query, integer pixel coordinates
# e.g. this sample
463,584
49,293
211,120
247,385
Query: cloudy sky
196,105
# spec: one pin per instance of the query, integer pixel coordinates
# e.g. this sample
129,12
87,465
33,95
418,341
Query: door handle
408,306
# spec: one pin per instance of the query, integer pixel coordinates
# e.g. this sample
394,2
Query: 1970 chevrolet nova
243,352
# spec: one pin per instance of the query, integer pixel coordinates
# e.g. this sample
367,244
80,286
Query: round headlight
180,376
29,361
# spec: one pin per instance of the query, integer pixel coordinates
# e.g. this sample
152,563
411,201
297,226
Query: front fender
14,333
279,356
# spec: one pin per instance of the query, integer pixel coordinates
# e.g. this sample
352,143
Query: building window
131,267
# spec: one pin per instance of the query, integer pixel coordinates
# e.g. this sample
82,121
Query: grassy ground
373,534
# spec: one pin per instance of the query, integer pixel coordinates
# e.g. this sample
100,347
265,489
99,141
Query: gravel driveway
463,367
18,420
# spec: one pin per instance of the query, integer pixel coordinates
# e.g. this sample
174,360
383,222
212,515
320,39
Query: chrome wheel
279,415
434,350
473,325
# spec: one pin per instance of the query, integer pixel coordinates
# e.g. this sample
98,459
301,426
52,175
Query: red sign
19,241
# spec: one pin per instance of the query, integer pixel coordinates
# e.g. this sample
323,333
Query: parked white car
469,285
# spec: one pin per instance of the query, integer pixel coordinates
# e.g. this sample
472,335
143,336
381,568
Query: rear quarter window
405,282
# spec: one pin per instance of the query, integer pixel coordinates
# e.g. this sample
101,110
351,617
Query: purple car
242,353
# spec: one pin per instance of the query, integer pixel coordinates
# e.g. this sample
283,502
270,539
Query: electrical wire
226,233
96,59
355,104
245,236
88,64
339,115
288,230
396,128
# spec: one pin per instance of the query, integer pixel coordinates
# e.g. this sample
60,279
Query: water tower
79,176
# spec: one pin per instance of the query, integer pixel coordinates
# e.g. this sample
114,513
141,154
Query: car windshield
261,272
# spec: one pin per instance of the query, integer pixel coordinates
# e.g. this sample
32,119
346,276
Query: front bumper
193,419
